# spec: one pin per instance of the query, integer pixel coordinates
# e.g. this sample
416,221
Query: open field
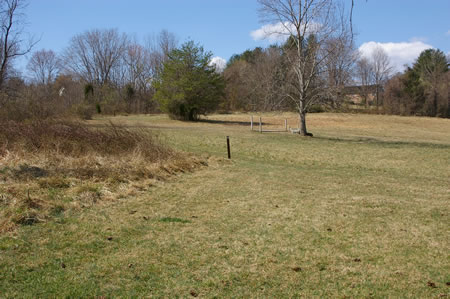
360,210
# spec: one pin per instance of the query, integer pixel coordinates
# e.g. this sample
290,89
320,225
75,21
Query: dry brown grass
352,126
358,211
75,139
48,167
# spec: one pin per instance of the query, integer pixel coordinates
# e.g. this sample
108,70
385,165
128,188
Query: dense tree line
106,71
100,71
423,89
257,80
262,79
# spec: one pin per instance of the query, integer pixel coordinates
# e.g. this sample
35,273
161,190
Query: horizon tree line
106,71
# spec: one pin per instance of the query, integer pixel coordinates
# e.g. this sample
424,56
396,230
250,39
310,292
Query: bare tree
238,91
138,66
382,69
160,46
339,67
12,42
138,76
364,73
308,24
166,42
256,80
266,77
96,56
44,66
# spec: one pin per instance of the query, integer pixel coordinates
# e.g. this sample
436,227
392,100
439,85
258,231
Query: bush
84,110
316,108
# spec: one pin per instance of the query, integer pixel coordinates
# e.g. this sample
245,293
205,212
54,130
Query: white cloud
399,53
279,32
448,33
219,63
418,39
273,32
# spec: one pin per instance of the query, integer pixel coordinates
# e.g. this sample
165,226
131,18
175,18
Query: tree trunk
302,124
376,93
378,96
435,102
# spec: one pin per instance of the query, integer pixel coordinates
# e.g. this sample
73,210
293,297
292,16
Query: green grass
360,210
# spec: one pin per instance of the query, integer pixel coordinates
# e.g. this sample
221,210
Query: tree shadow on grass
206,121
227,122
384,143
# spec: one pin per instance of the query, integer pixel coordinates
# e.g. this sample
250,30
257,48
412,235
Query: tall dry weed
75,139
67,164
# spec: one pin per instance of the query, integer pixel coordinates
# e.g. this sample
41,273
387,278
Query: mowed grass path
360,210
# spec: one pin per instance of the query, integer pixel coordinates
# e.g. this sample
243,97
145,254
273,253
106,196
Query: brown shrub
76,139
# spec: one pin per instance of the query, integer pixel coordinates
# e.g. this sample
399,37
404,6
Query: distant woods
100,71
423,89
313,68
258,79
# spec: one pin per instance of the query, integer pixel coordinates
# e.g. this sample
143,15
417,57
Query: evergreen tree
427,79
189,85
424,88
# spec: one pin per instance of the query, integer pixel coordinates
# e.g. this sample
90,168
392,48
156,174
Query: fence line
261,126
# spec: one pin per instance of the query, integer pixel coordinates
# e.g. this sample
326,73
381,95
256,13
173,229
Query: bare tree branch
310,24
96,56
44,66
12,44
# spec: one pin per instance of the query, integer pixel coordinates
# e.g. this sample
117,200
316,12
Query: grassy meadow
362,209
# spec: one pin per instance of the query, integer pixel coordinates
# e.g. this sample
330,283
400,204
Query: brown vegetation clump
48,167
75,139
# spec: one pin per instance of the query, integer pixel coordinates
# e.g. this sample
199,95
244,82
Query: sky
403,28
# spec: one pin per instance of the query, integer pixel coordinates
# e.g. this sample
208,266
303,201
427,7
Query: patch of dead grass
67,165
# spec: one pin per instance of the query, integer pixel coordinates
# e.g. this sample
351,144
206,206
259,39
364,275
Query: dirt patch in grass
61,165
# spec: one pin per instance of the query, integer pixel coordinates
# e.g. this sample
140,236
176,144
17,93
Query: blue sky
402,27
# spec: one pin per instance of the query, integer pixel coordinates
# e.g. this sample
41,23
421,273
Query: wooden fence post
285,124
251,122
260,125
